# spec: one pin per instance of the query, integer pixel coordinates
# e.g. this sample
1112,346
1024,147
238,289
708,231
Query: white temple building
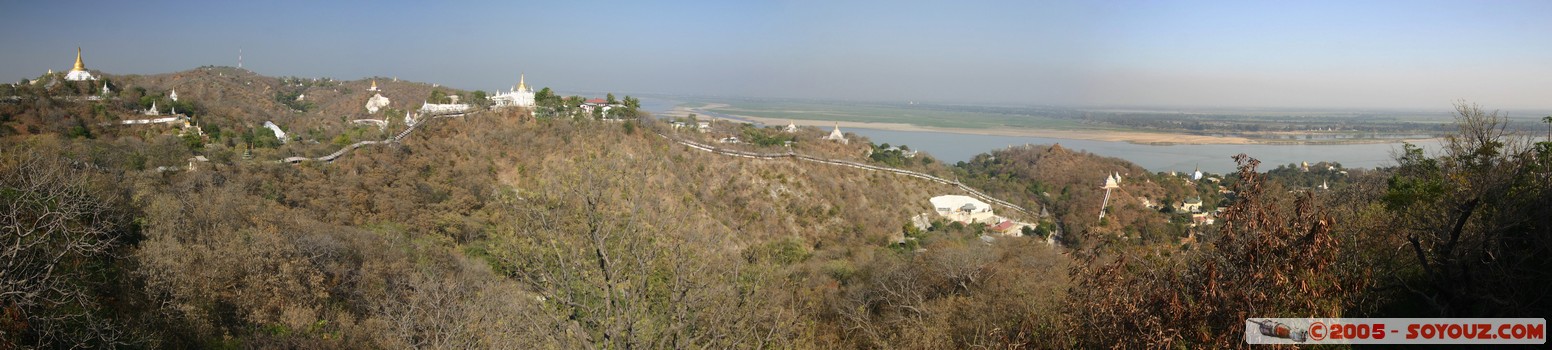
279,134
520,96
792,128
443,108
153,110
79,73
963,209
376,103
173,95
836,135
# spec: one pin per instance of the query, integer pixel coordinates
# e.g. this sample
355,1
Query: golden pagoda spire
521,85
374,85
79,66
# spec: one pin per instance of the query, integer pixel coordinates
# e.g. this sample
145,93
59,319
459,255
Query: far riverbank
1136,137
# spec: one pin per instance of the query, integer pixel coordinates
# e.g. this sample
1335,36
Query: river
956,147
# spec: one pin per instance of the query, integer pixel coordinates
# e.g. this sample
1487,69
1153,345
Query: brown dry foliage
1266,260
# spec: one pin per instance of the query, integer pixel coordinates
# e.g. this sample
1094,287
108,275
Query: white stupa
173,95
836,135
79,73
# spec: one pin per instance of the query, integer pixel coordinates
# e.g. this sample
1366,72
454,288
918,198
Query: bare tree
56,220
611,255
1265,259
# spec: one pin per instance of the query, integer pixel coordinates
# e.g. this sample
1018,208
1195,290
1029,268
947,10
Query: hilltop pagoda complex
521,96
79,73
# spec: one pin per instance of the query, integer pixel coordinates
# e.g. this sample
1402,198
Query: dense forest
510,228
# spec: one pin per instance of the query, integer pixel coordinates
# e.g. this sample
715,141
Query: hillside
485,202
502,227
1068,183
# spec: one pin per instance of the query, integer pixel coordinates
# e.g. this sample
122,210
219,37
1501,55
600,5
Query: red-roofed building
1003,227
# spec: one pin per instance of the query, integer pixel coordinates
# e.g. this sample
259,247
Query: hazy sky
1415,54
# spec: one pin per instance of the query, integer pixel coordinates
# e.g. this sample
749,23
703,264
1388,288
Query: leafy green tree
546,98
1476,221
438,96
479,98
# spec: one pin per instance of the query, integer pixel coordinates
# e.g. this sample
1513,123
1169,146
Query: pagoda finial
522,85
79,66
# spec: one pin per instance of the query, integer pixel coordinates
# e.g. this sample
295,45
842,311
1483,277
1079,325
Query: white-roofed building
376,102
279,134
444,108
963,209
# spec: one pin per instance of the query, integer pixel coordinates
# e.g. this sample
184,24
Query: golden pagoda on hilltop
79,73
374,86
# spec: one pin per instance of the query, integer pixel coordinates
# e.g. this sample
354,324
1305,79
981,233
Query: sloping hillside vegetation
500,228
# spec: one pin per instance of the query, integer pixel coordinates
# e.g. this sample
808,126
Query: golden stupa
79,73
79,65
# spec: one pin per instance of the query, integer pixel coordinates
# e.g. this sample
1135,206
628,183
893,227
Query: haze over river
951,148
955,147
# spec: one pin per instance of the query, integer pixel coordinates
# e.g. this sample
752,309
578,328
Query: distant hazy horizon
1324,55
1442,110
